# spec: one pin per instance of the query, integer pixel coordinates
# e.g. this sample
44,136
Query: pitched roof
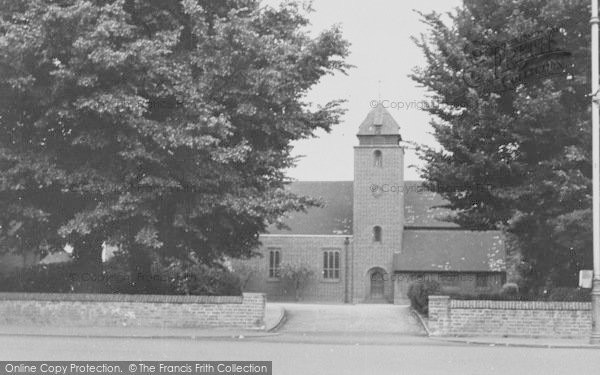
435,246
421,207
451,250
379,116
335,217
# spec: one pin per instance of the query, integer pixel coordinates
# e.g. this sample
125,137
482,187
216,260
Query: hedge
116,278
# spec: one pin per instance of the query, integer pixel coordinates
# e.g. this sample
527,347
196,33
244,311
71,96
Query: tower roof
379,122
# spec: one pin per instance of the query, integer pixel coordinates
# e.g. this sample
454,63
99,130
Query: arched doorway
377,284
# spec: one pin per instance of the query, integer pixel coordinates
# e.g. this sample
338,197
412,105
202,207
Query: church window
377,234
274,263
481,280
377,159
378,129
331,264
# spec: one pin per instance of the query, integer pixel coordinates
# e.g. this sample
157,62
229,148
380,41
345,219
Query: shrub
510,289
199,279
295,277
116,277
245,273
419,292
176,278
46,278
570,294
67,278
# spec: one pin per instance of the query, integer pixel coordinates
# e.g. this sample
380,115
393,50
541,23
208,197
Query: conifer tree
512,82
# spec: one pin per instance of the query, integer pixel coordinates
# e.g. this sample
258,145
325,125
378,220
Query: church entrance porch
379,287
377,281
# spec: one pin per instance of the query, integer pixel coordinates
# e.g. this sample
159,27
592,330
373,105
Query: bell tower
378,220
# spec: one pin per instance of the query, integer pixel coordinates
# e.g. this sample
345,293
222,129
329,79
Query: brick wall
108,310
377,208
511,318
298,250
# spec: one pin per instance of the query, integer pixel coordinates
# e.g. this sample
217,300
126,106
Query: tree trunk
298,291
88,266
140,264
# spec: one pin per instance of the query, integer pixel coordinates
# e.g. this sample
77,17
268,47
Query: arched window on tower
378,158
377,234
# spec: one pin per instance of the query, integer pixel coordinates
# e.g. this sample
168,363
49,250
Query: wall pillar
439,315
595,336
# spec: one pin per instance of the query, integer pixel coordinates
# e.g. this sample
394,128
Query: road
412,356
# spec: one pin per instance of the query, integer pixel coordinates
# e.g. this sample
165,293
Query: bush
419,292
510,289
295,278
245,273
199,279
570,295
117,278
46,278
68,278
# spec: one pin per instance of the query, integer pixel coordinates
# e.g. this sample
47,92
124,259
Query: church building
375,235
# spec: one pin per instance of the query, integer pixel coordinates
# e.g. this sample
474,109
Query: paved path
315,318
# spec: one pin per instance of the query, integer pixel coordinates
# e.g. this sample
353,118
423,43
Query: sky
381,50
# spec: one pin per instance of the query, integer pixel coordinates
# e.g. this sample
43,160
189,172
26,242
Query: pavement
523,342
314,323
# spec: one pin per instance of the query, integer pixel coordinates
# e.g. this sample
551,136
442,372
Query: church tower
378,206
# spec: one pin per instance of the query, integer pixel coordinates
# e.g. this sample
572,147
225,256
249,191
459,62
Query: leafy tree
295,277
160,126
514,127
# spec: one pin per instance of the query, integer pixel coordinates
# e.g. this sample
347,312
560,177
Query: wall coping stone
518,305
139,298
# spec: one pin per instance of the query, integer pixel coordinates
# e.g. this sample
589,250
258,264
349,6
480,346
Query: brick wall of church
298,250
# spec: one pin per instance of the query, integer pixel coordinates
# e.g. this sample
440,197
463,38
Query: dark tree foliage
513,122
161,126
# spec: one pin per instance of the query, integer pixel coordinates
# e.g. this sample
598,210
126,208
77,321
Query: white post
595,336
